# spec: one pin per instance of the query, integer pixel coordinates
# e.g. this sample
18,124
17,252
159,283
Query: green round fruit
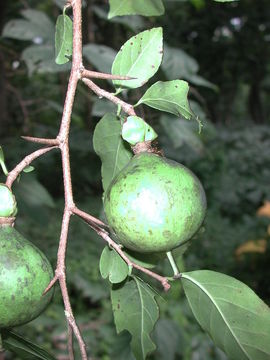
25,273
154,204
8,205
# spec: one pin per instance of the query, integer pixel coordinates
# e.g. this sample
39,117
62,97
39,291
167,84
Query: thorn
51,284
51,142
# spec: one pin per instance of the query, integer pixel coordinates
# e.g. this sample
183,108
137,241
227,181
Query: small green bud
8,205
136,130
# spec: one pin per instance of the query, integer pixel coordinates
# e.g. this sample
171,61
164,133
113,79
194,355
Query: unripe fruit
8,205
154,204
25,273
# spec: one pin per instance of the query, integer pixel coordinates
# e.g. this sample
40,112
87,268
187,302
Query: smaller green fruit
25,273
8,205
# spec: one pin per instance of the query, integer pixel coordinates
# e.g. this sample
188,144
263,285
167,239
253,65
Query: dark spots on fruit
152,66
131,43
167,234
118,306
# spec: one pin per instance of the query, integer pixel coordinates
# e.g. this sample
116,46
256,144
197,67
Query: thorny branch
62,142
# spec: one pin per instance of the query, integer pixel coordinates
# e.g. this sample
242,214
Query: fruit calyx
7,221
147,146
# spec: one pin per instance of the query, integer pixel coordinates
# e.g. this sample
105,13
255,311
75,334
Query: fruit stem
173,265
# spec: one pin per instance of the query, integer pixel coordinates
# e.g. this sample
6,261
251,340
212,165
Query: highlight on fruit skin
25,273
154,204
8,205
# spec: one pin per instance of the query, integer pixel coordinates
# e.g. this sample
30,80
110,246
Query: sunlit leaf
252,246
140,57
264,210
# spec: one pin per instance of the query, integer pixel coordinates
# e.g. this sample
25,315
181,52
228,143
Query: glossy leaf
100,56
140,57
112,266
63,39
169,96
138,7
135,310
136,130
237,320
25,349
110,147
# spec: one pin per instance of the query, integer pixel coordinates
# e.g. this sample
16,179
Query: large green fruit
154,204
25,273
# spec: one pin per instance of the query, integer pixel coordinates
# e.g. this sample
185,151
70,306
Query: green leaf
148,261
25,349
33,192
112,266
100,56
110,147
36,27
2,162
28,169
135,310
40,59
140,57
138,7
169,339
181,131
237,320
63,39
178,64
134,23
169,96
136,130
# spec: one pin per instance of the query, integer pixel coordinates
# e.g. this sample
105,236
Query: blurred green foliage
231,156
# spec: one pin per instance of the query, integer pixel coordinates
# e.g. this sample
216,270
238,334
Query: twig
89,218
97,75
163,280
43,141
12,175
129,109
